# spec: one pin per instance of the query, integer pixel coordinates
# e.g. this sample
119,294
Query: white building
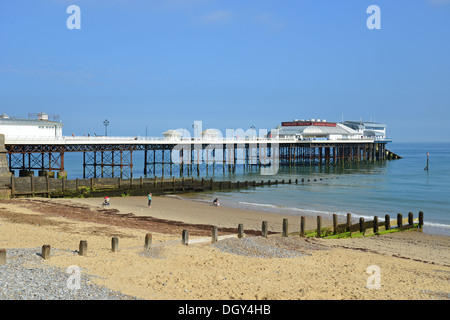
372,130
41,127
211,134
316,129
172,135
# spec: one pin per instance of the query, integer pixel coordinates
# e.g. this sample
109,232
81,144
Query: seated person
216,202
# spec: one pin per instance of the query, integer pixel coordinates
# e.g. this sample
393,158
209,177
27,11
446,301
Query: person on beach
149,200
216,202
106,201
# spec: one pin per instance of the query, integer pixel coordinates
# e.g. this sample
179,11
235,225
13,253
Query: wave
290,208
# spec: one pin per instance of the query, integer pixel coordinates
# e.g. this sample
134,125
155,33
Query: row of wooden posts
26,186
82,251
336,227
264,232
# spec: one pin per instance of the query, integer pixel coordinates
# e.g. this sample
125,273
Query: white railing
139,139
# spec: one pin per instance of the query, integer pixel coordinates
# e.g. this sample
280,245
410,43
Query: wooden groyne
344,230
99,187
391,155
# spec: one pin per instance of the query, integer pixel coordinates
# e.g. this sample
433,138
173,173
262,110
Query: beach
412,264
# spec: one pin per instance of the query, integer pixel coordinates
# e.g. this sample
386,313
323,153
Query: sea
362,189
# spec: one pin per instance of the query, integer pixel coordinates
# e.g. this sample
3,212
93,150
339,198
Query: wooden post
92,184
387,222
319,226
362,227
185,237
32,184
375,224
399,220
47,183
214,234
77,184
349,222
114,244
302,226
420,219
335,223
240,230
264,229
2,256
411,219
13,188
285,227
46,251
82,251
148,241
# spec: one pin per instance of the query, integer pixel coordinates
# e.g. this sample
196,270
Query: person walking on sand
149,200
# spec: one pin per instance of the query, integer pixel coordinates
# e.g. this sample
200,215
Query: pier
109,157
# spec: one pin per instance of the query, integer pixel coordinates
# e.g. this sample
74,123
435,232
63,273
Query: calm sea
364,190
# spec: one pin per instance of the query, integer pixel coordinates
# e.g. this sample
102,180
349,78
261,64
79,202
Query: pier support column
145,162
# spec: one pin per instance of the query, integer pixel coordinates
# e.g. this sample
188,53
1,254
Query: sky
148,66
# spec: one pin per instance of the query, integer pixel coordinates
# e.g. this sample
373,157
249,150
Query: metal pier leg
84,164
145,162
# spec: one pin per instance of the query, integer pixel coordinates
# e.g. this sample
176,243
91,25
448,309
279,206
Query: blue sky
158,65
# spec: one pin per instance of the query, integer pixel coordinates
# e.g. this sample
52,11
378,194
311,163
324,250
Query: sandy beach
413,265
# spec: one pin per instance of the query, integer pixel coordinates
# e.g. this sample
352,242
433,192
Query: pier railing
140,139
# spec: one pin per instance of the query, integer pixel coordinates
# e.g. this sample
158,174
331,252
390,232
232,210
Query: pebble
26,276
260,247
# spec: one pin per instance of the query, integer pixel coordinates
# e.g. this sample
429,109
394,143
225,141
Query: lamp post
106,123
